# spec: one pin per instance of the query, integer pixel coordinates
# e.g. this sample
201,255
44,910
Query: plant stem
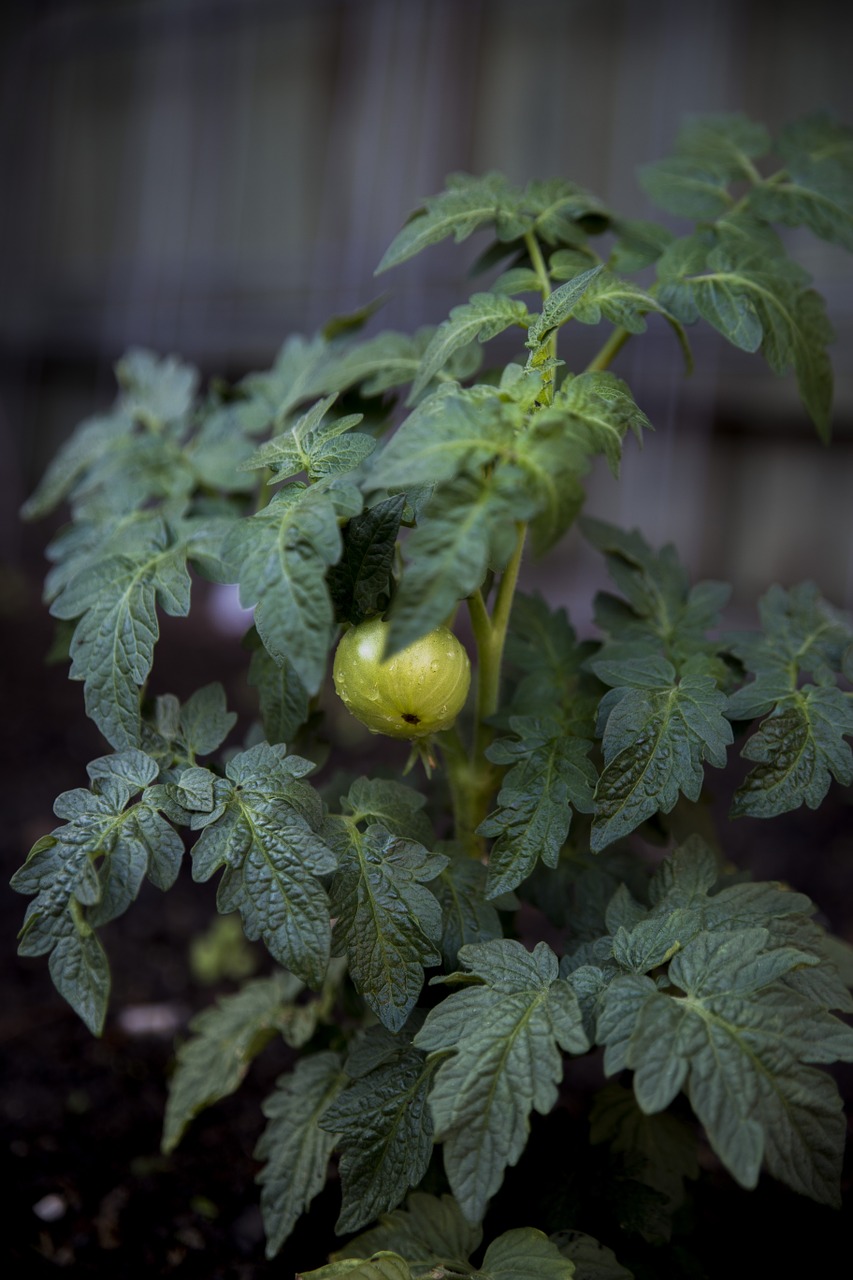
609,351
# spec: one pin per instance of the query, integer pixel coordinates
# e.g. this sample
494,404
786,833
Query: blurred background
208,176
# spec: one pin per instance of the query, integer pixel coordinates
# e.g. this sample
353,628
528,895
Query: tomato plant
441,948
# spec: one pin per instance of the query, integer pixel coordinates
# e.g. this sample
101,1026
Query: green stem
538,263
609,351
477,778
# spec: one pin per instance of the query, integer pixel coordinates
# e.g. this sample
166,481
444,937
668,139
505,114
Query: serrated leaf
683,186
283,698
115,600
315,445
662,614
565,213
393,805
800,747
481,318
739,280
360,581
504,1036
468,203
816,189
655,744
204,721
625,304
638,244
293,1146
263,833
525,1254
550,772
727,1044
801,633
542,643
468,527
448,434
159,392
430,1230
595,411
387,921
558,307
711,152
467,917
384,1129
88,870
279,556
85,446
225,1039
298,375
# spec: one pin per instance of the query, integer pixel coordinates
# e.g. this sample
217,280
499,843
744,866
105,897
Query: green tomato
419,691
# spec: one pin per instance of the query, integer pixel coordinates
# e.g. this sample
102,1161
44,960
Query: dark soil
85,1185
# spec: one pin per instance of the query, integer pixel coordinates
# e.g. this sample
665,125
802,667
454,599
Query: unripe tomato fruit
419,691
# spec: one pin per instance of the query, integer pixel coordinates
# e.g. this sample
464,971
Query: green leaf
558,307
177,734
382,1266
730,1045
625,304
429,1231
543,645
738,278
801,633
466,915
293,1146
387,922
89,870
115,600
503,1036
223,444
525,1254
711,152
816,190
158,392
482,317
663,615
550,772
800,747
313,445
638,244
468,203
263,831
682,186
655,743
279,556
448,434
77,455
225,1040
283,698
467,527
384,1129
393,359
398,808
298,375
360,582
565,213
595,411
